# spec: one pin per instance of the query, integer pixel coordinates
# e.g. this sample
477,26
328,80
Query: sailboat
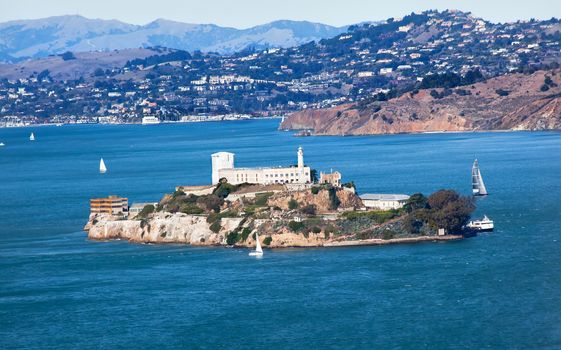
32,137
478,187
102,167
258,251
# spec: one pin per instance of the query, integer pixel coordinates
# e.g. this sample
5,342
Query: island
290,206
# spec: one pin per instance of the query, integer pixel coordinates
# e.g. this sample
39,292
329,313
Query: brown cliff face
478,107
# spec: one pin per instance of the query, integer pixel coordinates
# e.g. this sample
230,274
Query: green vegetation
262,198
388,234
189,208
502,92
378,216
416,201
232,237
267,240
213,217
245,234
67,56
296,226
223,189
210,202
451,80
316,229
147,210
292,204
215,227
308,209
449,210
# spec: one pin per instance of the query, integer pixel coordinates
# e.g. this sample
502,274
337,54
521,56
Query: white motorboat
484,224
32,137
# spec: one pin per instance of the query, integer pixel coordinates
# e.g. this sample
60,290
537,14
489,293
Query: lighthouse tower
300,158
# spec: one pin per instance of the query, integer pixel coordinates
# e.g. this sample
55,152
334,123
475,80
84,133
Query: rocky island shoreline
315,216
285,207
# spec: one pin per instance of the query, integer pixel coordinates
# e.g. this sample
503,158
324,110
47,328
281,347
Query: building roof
384,197
222,153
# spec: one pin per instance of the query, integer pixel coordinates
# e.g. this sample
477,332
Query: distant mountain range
54,35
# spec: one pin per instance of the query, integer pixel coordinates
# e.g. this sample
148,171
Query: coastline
441,132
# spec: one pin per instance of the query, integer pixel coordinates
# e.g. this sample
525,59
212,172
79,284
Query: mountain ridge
23,39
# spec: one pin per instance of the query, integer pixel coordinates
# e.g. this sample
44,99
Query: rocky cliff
160,228
510,102
311,217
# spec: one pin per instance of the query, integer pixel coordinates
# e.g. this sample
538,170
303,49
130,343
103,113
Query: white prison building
223,167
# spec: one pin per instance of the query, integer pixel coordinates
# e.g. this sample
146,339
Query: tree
267,240
292,204
449,210
295,226
416,201
98,72
309,209
147,210
67,56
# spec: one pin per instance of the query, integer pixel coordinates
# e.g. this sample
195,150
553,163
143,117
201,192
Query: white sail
258,250
478,186
102,167
32,137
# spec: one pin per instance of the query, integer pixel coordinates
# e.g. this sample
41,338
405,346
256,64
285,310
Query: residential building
112,205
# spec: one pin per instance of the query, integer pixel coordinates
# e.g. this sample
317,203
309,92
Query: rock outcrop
510,102
160,228
322,201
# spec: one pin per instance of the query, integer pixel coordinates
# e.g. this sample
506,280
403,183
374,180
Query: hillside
55,35
82,64
511,102
369,61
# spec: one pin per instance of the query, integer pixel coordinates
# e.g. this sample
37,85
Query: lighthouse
300,158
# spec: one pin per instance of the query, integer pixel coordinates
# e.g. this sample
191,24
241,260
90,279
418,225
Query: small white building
150,120
384,201
136,208
223,167
385,71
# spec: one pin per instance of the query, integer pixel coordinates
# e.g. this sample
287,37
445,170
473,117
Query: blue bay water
60,291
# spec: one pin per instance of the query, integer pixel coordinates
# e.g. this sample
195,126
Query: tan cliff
510,102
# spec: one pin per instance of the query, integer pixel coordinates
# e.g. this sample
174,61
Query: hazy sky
246,13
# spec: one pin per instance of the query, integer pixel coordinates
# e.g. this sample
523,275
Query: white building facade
223,167
384,201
